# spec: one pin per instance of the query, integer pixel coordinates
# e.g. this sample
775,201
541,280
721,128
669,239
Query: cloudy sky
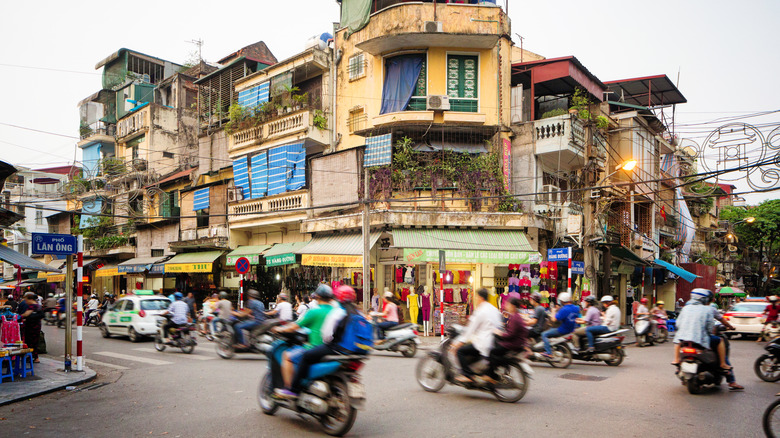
726,54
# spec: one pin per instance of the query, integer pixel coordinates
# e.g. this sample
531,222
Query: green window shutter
463,82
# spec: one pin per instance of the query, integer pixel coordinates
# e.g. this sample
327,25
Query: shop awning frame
138,264
690,277
457,239
251,252
621,252
282,254
338,244
192,262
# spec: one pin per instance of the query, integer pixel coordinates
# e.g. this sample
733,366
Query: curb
86,378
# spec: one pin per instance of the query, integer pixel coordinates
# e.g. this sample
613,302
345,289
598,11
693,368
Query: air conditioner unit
432,27
236,194
437,102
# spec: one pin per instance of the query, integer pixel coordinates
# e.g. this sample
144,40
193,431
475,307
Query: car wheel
104,331
133,335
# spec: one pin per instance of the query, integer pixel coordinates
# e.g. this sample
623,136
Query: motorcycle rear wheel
616,359
408,348
340,418
771,420
225,348
158,343
663,335
513,383
189,348
562,355
694,387
430,374
767,368
267,404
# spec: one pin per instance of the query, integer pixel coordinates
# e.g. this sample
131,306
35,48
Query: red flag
663,211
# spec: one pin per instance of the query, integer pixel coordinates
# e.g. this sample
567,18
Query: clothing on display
414,307
426,307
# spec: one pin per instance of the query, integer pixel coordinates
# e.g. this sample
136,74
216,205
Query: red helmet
345,294
643,301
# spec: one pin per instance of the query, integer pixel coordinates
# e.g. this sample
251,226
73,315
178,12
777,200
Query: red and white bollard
79,303
568,280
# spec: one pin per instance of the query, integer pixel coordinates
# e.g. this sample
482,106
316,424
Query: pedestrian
190,301
10,301
31,315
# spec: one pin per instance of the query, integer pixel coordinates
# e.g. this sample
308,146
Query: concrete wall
212,152
156,237
335,179
524,165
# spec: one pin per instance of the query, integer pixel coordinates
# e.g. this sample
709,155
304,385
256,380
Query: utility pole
366,245
68,312
588,223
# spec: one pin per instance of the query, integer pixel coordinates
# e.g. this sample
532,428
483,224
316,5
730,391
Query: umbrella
731,291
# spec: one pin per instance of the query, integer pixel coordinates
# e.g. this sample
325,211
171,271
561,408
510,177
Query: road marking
104,364
134,358
188,356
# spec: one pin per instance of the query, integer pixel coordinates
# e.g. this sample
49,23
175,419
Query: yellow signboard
42,274
55,278
335,261
188,267
107,272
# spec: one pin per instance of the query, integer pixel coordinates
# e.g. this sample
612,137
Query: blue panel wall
241,175
201,200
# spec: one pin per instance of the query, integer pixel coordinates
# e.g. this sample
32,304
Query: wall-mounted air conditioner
437,102
432,27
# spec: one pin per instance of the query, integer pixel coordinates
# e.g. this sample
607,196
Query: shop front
106,280
626,277
254,253
196,272
140,271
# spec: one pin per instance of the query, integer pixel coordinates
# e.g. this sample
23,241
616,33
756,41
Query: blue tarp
241,175
260,175
676,270
254,96
277,170
401,73
201,199
379,150
296,166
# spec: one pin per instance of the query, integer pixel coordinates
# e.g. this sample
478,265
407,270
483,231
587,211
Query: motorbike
643,329
662,331
561,352
771,419
94,318
770,331
180,337
51,316
332,392
258,339
437,368
699,367
61,319
767,366
402,338
608,348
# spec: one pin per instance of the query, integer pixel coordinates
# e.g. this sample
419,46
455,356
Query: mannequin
502,299
493,297
426,305
413,304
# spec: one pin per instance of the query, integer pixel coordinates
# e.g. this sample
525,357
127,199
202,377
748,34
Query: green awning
621,252
486,240
252,252
338,244
283,254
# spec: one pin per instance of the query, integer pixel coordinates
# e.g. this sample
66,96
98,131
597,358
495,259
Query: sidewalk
48,377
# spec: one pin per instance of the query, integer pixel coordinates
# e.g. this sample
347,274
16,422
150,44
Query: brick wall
156,237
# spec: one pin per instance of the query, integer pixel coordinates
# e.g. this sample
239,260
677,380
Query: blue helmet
324,291
701,295
178,296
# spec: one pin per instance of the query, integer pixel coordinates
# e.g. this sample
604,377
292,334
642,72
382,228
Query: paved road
147,393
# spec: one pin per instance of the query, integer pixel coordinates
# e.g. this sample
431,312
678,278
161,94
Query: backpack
354,334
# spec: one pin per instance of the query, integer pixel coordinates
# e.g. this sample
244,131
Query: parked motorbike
643,329
607,347
699,368
332,392
402,338
437,368
561,352
180,337
767,366
258,339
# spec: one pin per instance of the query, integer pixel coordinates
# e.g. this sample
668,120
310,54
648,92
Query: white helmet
701,295
607,299
564,298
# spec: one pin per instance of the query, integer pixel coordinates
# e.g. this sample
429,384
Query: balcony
98,132
560,142
396,25
256,210
210,237
134,122
294,126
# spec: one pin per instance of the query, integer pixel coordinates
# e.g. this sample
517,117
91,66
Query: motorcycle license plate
356,390
689,367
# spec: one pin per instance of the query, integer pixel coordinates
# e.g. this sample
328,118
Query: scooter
699,368
643,330
561,352
332,392
437,368
662,331
94,318
258,339
180,337
402,337
767,366
51,316
770,331
607,347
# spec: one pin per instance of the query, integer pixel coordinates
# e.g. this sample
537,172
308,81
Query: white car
134,316
746,317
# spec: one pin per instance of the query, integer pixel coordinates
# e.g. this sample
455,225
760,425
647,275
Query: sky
726,54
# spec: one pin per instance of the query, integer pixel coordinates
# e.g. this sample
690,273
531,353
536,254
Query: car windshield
748,307
155,304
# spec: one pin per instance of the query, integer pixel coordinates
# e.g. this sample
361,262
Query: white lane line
133,358
188,356
104,364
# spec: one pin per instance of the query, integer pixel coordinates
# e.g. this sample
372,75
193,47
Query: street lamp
627,166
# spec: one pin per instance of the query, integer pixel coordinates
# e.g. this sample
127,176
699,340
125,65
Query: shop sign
188,267
280,260
111,272
132,268
55,278
335,261
578,268
558,254
412,255
254,259
506,162
157,269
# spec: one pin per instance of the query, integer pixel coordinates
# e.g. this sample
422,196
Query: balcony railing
248,137
296,123
133,122
280,203
378,5
561,140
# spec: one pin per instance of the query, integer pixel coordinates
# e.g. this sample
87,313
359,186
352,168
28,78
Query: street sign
242,265
442,262
578,268
558,254
55,244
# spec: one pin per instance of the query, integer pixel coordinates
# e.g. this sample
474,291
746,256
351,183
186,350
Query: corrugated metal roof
196,257
437,238
338,244
12,257
285,248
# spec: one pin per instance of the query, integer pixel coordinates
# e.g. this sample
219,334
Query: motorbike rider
641,309
592,319
254,315
539,318
224,307
567,314
771,312
180,314
283,308
611,322
657,313
92,306
477,340
513,338
312,320
389,313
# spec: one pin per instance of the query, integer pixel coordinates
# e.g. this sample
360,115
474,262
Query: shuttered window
462,82
259,175
241,175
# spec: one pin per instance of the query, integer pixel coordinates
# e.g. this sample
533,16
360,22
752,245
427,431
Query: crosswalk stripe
188,356
133,358
104,364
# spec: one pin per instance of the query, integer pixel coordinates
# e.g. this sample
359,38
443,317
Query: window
203,218
155,304
417,102
462,77
129,305
357,119
357,66
169,204
38,215
158,252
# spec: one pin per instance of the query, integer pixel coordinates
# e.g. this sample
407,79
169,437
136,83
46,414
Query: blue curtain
259,175
277,170
296,170
401,73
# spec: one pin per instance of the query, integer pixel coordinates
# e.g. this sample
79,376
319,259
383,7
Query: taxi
747,317
134,316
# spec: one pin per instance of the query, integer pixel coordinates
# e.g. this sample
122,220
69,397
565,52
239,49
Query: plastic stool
24,365
6,361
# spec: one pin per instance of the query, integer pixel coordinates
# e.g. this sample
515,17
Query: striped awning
338,244
379,150
454,239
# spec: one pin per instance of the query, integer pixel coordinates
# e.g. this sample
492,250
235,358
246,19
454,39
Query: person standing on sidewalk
31,314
